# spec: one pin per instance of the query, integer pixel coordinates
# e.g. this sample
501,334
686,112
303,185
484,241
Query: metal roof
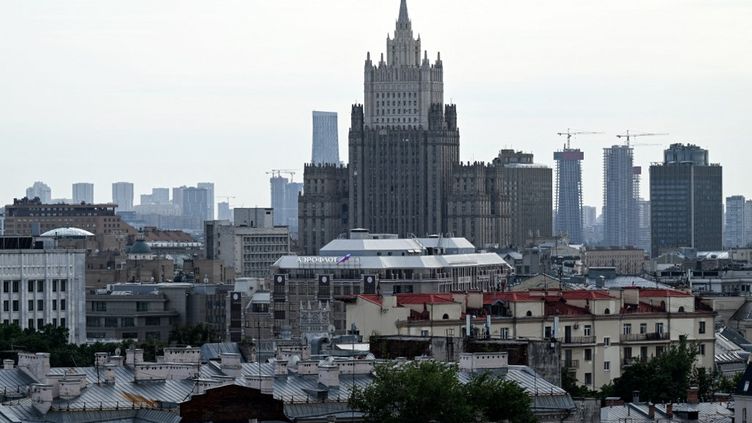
67,233
399,262
212,351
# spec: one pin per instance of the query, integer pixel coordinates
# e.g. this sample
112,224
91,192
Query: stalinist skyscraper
404,176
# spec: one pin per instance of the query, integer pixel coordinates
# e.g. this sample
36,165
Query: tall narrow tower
569,194
620,185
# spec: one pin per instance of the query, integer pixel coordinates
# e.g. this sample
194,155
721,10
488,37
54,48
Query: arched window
681,309
607,311
529,313
445,316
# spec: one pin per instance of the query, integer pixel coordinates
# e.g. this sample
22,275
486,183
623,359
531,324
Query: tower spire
404,20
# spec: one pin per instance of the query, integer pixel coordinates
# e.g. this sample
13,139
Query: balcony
645,337
570,364
578,340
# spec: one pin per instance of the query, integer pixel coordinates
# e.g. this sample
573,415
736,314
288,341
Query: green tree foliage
192,335
430,391
662,379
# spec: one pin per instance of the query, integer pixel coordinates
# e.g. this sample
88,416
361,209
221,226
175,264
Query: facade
569,218
150,311
308,292
686,197
83,192
325,138
323,210
31,217
39,190
620,194
643,225
122,195
224,212
735,229
624,260
528,188
285,202
41,287
600,332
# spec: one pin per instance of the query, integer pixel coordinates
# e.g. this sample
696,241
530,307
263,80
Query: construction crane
277,173
226,197
569,134
629,137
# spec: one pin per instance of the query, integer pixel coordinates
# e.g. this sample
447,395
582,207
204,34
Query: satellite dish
332,329
117,351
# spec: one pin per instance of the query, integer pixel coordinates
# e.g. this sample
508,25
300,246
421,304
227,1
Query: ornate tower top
400,90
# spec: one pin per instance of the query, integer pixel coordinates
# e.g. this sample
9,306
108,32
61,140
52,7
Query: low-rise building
626,260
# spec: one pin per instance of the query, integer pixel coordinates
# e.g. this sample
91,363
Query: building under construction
621,187
569,194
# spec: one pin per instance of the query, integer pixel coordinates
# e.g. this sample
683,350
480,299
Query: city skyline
540,74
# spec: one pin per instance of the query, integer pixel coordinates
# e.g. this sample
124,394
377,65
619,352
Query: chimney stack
693,395
651,411
670,411
636,397
7,364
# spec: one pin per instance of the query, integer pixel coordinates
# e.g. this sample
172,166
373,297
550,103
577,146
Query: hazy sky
166,93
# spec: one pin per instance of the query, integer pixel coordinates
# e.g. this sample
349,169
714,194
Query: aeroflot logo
324,260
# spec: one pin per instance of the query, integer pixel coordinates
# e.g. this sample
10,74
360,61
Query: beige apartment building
626,260
601,332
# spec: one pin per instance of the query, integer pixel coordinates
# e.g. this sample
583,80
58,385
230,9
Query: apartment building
625,260
601,332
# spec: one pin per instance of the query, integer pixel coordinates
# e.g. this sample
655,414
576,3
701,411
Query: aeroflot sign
323,260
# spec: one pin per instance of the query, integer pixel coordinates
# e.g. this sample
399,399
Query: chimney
230,364
109,373
651,411
41,397
328,374
133,357
70,388
670,411
693,395
117,360
100,359
636,397
280,367
7,364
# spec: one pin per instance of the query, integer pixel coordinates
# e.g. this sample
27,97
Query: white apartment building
41,287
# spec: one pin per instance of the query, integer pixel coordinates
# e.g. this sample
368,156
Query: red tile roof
371,298
662,293
424,299
581,294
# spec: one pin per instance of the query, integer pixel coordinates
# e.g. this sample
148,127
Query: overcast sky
166,93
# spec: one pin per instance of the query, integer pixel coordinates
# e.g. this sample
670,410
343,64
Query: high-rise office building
620,196
686,199
160,196
589,216
224,212
122,195
83,192
209,187
748,222
194,204
735,234
285,202
569,194
177,196
643,225
325,138
39,190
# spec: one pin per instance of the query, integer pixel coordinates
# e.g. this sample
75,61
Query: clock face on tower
236,296
324,279
280,278
369,279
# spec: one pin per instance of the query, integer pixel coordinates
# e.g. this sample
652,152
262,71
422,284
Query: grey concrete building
323,210
83,192
285,201
39,190
122,195
325,138
209,187
686,198
620,196
569,218
735,229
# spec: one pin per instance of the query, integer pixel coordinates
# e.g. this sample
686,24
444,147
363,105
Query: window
31,305
30,324
6,286
54,285
142,306
658,351
627,353
587,330
504,333
110,322
547,332
529,313
659,327
643,328
702,327
607,311
62,307
40,323
606,341
127,322
30,284
423,332
130,335
6,305
152,321
54,305
588,378
279,314
15,285
588,354
15,305
701,349
40,305
606,366
98,306
627,328
63,282
62,322
92,322
40,286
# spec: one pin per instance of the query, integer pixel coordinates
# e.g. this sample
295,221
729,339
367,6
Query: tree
664,378
431,391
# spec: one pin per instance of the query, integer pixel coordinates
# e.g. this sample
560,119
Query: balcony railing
645,337
577,340
570,364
